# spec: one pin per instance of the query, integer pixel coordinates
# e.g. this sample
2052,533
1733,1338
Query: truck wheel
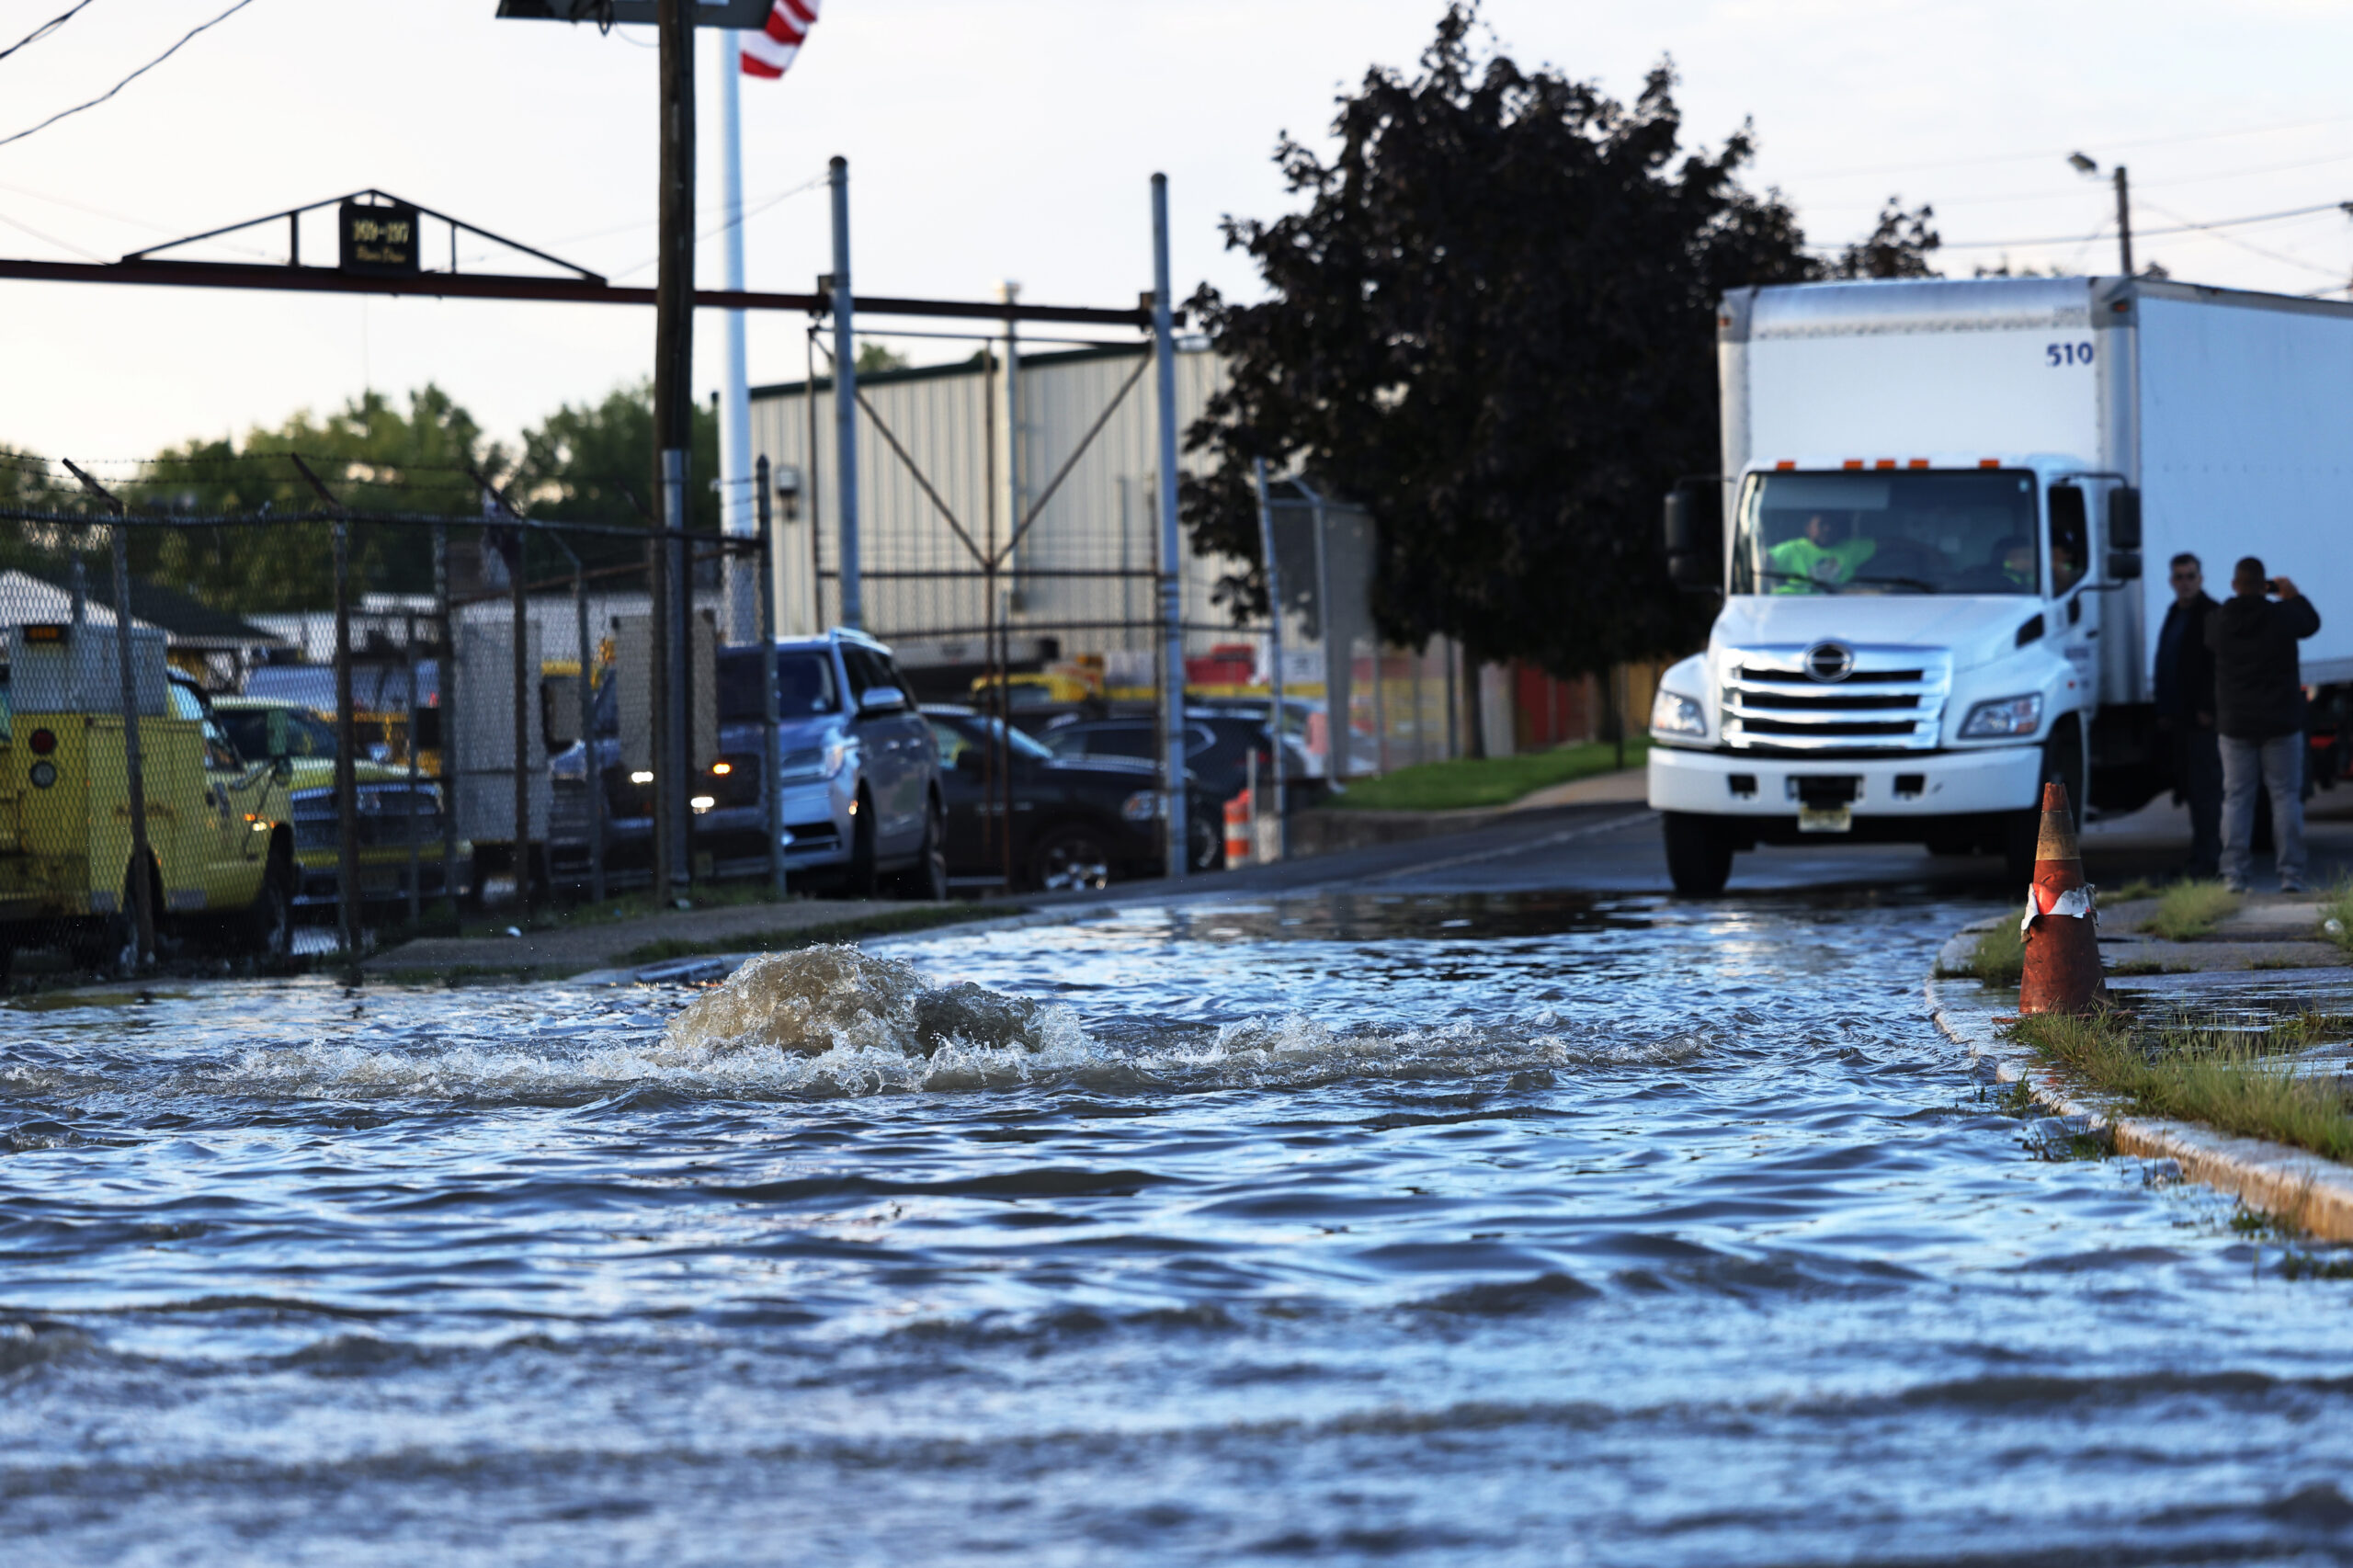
266,929
2062,763
1698,854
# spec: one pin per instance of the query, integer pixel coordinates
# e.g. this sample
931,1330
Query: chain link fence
257,709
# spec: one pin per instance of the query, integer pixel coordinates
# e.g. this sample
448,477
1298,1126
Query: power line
2245,245
2182,228
2062,152
43,30
118,86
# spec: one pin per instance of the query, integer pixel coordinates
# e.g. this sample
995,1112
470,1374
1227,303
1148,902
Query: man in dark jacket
2184,703
2259,710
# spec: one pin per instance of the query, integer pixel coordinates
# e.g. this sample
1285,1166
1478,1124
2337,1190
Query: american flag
769,51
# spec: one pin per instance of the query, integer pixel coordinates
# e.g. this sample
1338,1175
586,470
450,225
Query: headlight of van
2003,716
1674,715
822,760
1142,806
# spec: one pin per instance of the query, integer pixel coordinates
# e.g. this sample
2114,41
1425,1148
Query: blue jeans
2277,763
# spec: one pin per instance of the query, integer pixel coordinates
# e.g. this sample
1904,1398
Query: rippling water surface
1354,1230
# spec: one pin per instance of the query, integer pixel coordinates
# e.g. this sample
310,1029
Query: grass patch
2189,910
2235,1079
1483,782
884,923
1999,958
2132,967
2336,915
2138,887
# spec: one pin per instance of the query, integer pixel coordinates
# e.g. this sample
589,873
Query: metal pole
1274,655
1337,655
736,509
816,508
416,867
2124,219
346,768
657,697
142,895
853,601
448,697
1010,433
592,772
771,759
679,748
522,667
1172,597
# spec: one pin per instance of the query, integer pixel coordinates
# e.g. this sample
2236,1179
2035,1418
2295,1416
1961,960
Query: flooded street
1445,1229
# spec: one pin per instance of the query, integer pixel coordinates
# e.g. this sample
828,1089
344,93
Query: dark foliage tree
1493,326
1898,246
595,464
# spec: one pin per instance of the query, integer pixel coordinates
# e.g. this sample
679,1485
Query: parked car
862,797
1077,822
393,813
1218,744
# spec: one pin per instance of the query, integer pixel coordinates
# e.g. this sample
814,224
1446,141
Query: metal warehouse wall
1102,517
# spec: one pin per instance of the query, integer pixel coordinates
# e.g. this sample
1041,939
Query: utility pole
2085,164
2124,219
673,433
1172,564
1274,656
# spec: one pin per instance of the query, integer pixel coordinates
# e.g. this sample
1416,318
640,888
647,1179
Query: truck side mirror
1695,535
2124,519
2123,566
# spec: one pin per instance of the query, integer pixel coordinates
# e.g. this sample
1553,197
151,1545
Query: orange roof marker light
1989,463
1785,464
1920,462
1884,462
1853,462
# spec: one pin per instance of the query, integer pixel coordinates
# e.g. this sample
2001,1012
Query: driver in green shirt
1823,556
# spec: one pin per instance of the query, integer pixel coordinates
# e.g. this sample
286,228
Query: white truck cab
1928,535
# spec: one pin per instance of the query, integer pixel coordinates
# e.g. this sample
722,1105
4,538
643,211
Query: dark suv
856,763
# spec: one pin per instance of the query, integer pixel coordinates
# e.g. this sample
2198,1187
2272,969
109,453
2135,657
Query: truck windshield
1907,531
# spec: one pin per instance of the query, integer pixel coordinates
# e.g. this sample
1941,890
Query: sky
1016,141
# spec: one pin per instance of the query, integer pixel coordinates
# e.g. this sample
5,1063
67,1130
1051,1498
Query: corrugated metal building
1081,574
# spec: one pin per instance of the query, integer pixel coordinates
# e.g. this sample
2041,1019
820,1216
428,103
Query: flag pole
736,507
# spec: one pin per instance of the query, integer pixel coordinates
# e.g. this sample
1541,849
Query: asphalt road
1615,848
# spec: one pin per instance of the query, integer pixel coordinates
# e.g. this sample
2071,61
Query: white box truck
1928,531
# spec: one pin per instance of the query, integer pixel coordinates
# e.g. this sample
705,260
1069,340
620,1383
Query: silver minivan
856,765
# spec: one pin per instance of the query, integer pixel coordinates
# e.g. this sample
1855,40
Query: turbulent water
1404,1231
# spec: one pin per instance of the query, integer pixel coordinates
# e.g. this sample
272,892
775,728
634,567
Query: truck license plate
1826,819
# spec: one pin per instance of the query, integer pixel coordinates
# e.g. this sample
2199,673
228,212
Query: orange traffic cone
1237,829
2061,933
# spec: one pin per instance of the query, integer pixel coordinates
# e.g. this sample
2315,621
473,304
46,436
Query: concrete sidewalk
2265,960
571,950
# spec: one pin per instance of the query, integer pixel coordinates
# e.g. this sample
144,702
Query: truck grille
384,818
1778,699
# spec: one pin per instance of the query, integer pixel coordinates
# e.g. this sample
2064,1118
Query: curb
2309,1192
711,967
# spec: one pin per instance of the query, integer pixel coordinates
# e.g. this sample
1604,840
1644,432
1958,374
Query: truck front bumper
1926,784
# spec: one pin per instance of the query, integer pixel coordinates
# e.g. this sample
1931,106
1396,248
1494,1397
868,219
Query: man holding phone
2259,712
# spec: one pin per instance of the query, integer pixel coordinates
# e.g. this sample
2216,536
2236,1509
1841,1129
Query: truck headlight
2003,716
1141,806
1674,715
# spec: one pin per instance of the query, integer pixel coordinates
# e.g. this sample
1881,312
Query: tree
595,464
1494,325
1899,247
873,356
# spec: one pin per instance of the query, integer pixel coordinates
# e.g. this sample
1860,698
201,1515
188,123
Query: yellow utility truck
220,832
